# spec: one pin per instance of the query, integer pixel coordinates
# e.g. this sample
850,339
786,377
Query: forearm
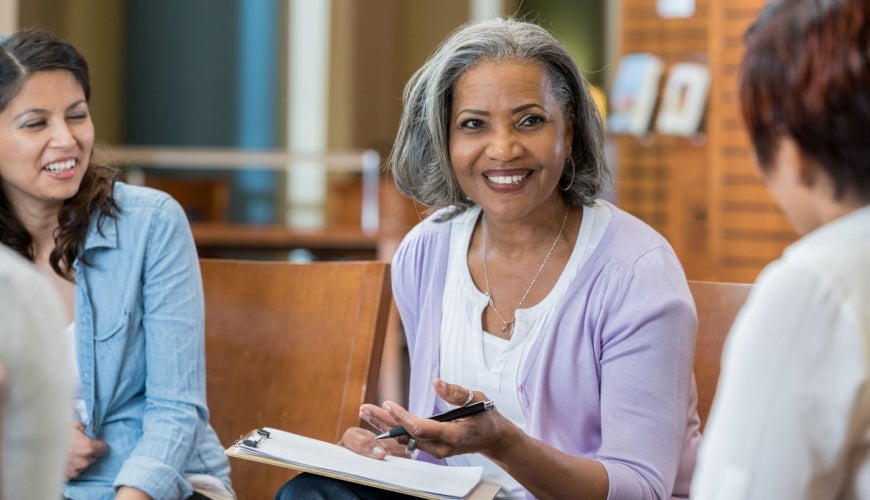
547,472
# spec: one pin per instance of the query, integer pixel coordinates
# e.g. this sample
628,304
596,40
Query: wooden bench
291,346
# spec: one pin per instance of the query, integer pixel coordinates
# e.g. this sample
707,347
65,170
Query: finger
377,417
395,448
98,448
455,394
79,443
70,472
362,442
75,466
412,423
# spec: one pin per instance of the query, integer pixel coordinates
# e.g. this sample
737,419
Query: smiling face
46,138
509,138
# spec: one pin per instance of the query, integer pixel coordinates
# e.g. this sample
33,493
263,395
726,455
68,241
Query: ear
569,138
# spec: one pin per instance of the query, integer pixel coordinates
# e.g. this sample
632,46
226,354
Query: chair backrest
717,304
204,198
291,346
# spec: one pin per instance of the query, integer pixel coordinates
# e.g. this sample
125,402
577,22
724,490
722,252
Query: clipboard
403,475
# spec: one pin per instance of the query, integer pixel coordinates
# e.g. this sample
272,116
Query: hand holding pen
474,423
448,416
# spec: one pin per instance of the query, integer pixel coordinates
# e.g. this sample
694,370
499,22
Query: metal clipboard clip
254,438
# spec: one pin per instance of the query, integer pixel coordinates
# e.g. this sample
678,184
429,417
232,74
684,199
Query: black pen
447,416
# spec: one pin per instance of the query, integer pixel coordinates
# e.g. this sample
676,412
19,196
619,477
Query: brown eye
532,120
471,123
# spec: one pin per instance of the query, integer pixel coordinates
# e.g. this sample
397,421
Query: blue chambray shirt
139,320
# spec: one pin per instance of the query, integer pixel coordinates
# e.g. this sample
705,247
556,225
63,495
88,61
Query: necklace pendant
508,328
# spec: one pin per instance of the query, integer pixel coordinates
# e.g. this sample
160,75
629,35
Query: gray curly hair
420,159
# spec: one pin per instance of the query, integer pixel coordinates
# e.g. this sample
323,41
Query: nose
61,135
504,145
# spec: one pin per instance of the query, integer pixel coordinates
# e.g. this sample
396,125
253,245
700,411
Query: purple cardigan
609,379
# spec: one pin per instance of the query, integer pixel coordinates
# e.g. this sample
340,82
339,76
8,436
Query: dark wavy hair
22,54
806,75
420,158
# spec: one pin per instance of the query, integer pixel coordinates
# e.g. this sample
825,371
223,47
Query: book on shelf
683,99
634,94
404,475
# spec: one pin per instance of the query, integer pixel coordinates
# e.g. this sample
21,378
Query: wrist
130,493
508,444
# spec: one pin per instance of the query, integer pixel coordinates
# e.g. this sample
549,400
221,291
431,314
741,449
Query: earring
573,173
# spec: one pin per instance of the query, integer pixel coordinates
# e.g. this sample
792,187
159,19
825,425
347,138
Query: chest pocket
114,329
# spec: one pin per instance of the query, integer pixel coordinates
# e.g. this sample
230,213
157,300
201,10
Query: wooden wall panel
660,179
704,194
747,229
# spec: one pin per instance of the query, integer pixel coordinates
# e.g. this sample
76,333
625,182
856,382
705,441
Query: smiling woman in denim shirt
123,259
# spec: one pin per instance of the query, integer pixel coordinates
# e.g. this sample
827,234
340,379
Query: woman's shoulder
141,201
138,207
430,229
628,238
133,196
427,243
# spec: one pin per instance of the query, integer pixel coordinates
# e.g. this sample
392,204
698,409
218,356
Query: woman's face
509,138
46,138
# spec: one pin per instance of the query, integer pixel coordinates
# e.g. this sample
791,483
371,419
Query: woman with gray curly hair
524,288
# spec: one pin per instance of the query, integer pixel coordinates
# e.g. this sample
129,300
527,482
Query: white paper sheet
451,482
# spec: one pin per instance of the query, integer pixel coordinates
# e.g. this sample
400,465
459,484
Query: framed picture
634,94
675,8
683,100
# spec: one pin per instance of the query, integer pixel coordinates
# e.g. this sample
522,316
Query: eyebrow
518,109
40,111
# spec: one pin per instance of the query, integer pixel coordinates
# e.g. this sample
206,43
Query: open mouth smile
60,166
507,180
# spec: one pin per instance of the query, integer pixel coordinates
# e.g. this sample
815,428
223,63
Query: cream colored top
37,405
791,418
482,362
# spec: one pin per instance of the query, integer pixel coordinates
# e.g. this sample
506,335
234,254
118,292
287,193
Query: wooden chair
717,304
204,198
291,346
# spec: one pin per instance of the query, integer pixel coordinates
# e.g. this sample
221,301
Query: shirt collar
840,231
104,234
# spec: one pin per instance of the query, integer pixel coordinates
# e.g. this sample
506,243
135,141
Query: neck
523,236
41,224
507,327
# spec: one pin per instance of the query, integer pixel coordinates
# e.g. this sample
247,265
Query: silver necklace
507,327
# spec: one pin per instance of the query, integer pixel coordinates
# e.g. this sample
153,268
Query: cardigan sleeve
648,344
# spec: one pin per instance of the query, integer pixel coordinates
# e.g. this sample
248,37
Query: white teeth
60,166
507,179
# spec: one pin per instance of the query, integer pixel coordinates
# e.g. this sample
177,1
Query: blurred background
325,77
222,72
